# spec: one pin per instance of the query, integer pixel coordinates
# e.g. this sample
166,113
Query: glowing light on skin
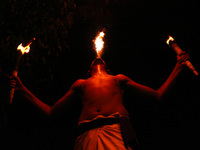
99,69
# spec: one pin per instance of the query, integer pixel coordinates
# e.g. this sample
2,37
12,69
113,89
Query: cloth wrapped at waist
84,127
110,132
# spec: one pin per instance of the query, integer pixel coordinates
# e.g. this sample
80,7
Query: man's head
98,65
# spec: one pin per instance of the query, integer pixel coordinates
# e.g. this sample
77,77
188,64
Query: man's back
101,95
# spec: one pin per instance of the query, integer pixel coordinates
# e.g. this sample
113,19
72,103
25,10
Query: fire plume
99,43
25,49
169,39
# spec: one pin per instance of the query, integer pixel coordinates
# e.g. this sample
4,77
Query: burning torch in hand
170,41
99,43
20,51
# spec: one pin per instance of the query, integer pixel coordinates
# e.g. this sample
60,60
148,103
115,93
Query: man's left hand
182,57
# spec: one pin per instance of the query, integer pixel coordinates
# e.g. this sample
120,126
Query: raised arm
158,94
181,58
137,88
70,98
61,104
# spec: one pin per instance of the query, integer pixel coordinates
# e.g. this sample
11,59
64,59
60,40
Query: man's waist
86,126
89,114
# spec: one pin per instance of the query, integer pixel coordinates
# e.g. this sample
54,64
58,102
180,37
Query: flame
25,49
169,39
99,43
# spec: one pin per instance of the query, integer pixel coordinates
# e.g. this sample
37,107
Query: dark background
134,45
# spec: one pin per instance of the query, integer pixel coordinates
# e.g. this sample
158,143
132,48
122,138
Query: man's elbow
48,112
52,113
158,96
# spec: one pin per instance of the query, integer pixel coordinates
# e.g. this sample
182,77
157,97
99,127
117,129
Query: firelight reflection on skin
103,116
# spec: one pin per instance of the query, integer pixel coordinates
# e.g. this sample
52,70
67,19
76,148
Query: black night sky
63,50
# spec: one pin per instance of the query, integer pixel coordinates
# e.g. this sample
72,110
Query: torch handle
178,50
175,47
191,67
12,91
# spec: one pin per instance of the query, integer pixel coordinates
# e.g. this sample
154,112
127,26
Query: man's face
98,61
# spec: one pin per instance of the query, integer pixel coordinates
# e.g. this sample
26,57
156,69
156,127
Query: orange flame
169,39
25,49
99,43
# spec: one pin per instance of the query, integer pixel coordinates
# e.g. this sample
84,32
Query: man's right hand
16,83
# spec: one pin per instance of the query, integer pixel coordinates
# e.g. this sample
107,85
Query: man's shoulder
121,77
78,83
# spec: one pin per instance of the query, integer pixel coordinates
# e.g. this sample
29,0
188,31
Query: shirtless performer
104,121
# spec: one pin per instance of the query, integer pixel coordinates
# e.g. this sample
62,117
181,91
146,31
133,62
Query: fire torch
20,51
170,41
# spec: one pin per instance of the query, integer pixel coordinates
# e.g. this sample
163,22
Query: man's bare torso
101,95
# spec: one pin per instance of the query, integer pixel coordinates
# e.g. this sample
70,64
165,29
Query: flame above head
25,49
99,43
169,39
